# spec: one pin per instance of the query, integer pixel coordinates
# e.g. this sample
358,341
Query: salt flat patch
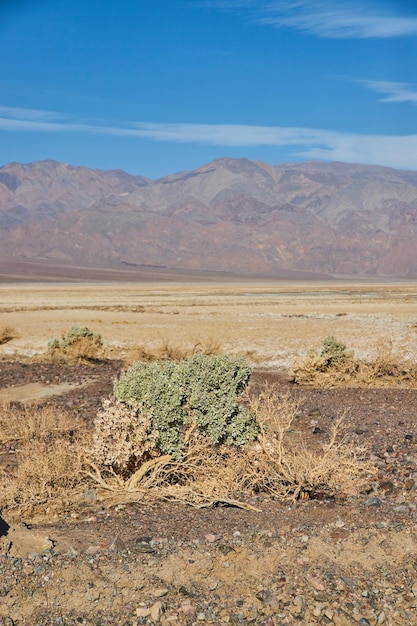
37,391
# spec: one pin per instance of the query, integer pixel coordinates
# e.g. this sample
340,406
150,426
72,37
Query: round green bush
202,390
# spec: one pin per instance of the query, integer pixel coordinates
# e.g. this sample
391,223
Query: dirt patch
36,391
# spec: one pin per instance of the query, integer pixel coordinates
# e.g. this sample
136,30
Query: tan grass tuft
46,479
7,333
167,350
21,425
44,472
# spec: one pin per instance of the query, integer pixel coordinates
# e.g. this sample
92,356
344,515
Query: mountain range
230,216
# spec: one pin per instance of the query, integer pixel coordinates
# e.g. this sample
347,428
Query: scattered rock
188,609
156,611
374,501
24,542
116,545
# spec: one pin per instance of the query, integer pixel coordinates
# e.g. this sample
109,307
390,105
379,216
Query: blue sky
159,86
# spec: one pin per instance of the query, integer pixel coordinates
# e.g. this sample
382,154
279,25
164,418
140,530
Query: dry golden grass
166,350
45,480
30,422
7,333
45,475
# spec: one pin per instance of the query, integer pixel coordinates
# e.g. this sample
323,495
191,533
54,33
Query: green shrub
202,391
77,343
334,352
331,364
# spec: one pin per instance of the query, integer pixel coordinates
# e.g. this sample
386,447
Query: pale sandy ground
271,322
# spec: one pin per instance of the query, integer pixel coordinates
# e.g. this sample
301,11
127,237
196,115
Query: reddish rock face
231,215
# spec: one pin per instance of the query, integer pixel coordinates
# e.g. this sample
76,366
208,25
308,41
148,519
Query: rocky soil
345,561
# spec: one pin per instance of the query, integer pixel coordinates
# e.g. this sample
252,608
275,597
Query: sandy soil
269,322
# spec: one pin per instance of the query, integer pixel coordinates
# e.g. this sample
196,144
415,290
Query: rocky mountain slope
36,191
231,215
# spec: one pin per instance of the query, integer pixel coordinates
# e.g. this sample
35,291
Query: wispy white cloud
395,92
328,18
36,115
309,143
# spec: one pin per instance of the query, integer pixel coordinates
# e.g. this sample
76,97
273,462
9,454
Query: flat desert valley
269,322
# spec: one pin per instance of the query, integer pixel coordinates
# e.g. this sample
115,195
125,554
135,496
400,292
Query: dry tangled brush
43,470
54,463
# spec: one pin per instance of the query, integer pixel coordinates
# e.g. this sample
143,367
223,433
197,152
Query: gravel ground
344,562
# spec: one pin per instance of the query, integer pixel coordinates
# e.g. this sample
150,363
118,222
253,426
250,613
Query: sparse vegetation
333,365
7,333
288,468
180,431
276,461
64,463
45,474
33,423
77,344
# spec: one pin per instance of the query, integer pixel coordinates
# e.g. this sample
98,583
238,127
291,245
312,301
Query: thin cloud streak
309,143
396,92
389,150
36,115
332,19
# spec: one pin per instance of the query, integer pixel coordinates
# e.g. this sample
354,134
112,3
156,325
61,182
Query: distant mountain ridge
39,190
231,215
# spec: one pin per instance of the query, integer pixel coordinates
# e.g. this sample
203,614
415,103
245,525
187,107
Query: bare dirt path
37,391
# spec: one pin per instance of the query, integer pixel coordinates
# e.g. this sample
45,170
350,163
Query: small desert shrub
334,352
200,392
32,422
333,365
7,333
45,474
123,438
332,362
277,462
289,468
79,344
174,430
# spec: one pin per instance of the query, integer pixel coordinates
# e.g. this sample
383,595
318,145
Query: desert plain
345,560
269,322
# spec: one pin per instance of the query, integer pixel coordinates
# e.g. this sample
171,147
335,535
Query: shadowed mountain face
231,215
